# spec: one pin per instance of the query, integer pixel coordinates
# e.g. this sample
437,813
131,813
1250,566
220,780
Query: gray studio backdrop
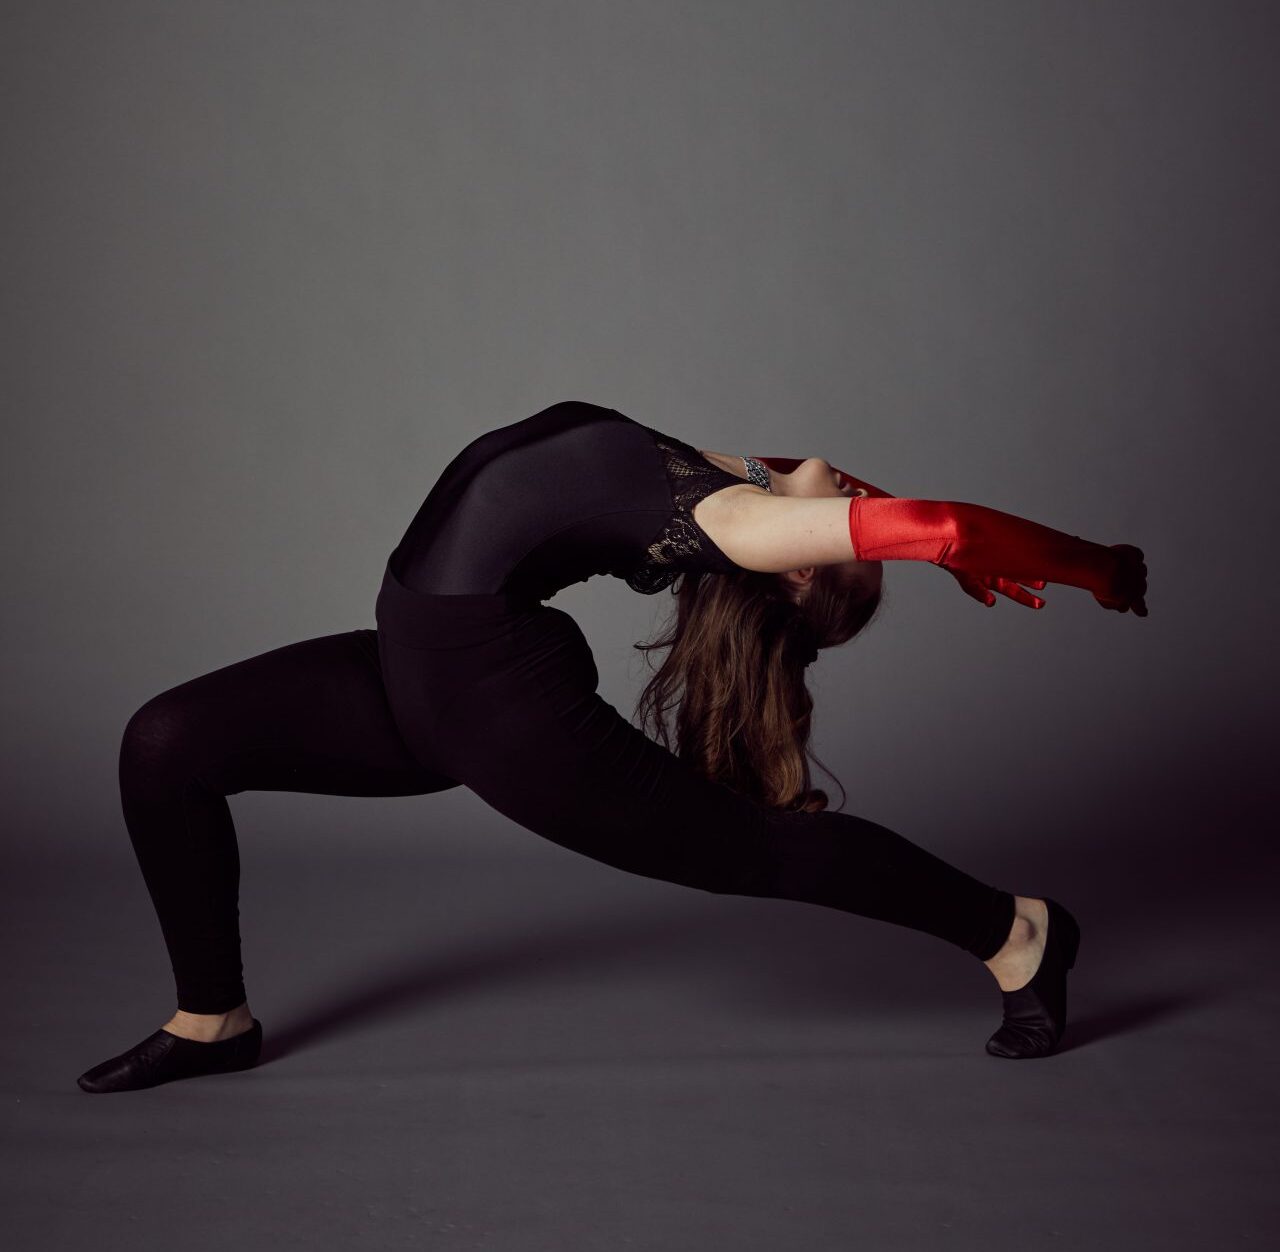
269,266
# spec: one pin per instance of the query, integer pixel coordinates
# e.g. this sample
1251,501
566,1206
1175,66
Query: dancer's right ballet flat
1035,1015
164,1056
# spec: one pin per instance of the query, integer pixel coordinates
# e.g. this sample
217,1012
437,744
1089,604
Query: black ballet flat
1035,1016
162,1057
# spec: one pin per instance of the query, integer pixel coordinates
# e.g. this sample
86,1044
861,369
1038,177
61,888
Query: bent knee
164,736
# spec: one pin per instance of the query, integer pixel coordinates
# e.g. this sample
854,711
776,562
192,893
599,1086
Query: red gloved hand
982,587
970,541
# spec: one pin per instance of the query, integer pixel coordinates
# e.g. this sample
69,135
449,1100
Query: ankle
210,1027
1021,931
1023,946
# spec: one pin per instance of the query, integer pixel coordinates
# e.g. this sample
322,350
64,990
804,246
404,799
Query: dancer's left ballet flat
1035,1015
164,1056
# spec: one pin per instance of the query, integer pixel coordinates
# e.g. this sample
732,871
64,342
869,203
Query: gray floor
516,1049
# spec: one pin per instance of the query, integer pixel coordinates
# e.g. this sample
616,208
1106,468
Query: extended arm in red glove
981,586
974,540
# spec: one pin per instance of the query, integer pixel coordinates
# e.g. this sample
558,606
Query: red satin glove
972,540
982,587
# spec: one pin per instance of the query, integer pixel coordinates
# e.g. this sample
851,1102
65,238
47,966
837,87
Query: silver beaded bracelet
757,472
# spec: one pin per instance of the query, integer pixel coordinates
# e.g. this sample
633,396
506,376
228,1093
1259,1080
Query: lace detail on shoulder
682,545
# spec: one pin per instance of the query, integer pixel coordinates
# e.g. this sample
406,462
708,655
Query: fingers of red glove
974,587
1136,606
1006,586
982,589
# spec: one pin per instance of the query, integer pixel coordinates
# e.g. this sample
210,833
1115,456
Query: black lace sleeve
682,544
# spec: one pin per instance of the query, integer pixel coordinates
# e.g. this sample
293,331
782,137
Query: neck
733,464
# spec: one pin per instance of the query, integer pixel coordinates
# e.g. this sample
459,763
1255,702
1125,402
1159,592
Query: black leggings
498,695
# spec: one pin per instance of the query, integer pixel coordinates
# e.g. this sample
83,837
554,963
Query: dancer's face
816,477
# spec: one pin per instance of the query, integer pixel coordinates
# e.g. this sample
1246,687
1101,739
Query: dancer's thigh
310,716
521,724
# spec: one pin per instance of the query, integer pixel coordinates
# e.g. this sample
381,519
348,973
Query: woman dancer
470,679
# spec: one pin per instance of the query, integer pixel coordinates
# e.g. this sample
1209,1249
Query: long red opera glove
982,587
975,540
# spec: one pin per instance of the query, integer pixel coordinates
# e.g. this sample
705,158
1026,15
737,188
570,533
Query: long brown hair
736,668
